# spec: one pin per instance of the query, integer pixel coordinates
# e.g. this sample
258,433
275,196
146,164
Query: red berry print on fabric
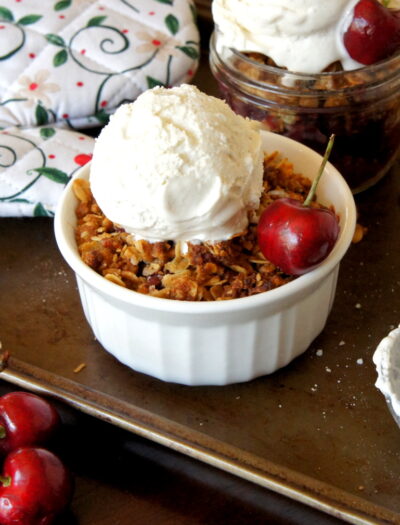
82,159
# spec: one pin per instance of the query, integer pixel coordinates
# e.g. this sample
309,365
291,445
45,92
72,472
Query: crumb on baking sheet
79,368
359,233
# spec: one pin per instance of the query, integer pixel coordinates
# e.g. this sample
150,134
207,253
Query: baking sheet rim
284,481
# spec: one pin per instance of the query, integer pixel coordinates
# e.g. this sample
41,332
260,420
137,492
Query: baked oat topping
197,272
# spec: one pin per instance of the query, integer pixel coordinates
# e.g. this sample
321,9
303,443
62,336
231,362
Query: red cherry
36,487
373,34
294,236
25,420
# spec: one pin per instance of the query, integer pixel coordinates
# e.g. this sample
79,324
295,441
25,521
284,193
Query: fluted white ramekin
217,342
387,361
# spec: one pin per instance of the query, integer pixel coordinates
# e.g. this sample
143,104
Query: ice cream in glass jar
307,69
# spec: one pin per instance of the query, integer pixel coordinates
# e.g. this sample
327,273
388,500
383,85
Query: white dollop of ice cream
304,36
387,361
178,164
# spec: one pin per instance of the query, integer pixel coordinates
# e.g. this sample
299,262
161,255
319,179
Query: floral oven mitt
68,64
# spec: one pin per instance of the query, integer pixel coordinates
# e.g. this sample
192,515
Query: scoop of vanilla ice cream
304,36
178,164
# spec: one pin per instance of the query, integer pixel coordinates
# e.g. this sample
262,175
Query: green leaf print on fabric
96,21
40,211
60,58
29,19
190,51
53,174
63,4
172,23
55,39
41,115
102,117
6,14
169,2
153,82
47,133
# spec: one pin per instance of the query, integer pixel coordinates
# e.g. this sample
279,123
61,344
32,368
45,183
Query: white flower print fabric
66,65
35,165
75,61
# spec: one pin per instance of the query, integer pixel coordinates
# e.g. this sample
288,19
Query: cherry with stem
295,236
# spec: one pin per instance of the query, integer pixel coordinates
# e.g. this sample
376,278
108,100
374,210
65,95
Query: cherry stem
3,432
5,480
314,185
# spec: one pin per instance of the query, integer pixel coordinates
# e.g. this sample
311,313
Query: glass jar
361,107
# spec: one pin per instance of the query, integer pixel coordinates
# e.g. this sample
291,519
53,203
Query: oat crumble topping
204,272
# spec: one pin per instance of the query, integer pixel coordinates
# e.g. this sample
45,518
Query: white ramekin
221,342
387,361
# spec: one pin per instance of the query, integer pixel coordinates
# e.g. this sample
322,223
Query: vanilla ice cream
177,164
304,36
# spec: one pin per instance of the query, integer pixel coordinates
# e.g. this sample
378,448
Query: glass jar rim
387,65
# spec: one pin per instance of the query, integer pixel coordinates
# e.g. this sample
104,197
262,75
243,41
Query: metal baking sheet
317,431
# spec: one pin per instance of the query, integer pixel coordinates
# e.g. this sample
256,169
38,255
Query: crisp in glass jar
361,107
